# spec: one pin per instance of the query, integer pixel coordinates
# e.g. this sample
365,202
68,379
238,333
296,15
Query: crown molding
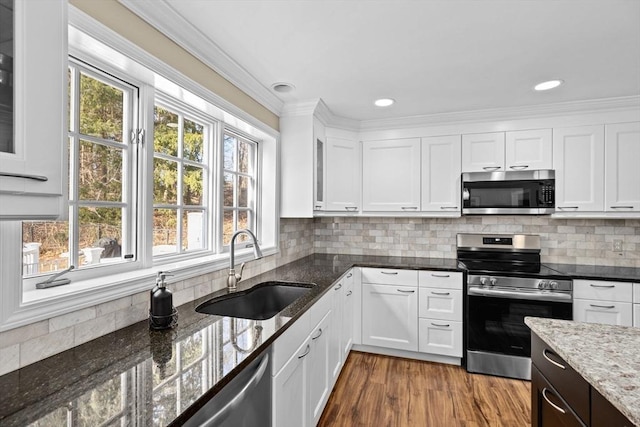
546,110
168,21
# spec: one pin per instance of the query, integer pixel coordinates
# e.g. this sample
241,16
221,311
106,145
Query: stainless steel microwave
509,193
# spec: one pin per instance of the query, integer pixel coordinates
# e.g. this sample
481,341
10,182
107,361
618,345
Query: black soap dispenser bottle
162,314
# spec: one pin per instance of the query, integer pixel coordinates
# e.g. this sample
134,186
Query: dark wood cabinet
560,397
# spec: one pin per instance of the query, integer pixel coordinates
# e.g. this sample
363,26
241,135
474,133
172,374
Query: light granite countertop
607,357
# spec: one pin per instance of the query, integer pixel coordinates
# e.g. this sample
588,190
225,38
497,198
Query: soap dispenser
162,314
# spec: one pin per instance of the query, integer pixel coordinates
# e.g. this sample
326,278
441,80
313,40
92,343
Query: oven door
496,325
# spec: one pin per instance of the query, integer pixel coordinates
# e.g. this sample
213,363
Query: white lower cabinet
599,301
301,386
337,318
440,312
443,337
636,305
348,315
390,316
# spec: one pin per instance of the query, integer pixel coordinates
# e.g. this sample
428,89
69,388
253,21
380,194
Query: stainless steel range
505,283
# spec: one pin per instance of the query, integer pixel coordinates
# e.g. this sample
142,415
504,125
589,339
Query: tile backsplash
566,241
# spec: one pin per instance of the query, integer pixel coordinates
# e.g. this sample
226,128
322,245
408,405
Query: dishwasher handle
235,402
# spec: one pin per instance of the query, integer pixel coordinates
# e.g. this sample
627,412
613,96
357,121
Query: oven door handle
503,293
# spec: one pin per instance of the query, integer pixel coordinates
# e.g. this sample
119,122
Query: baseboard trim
427,357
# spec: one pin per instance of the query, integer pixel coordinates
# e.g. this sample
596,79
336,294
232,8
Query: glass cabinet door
319,175
6,77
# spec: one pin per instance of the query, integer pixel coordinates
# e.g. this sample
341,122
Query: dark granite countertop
162,377
598,272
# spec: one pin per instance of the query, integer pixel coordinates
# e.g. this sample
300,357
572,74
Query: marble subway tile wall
28,344
574,241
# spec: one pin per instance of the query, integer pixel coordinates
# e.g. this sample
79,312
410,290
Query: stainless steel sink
262,301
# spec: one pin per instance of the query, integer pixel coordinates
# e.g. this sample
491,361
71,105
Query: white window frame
94,43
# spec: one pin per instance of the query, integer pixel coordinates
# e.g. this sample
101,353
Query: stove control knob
483,281
553,284
493,281
543,284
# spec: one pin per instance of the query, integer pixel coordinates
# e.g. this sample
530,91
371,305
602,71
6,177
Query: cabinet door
483,152
32,185
290,395
342,175
528,149
608,312
622,157
442,337
335,338
348,313
319,186
391,175
636,315
578,158
318,370
390,316
441,174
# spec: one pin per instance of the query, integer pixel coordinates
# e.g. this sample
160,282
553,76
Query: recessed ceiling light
283,87
384,102
550,84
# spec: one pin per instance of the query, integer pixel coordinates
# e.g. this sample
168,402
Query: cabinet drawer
636,315
636,293
548,408
440,279
603,290
440,337
387,276
440,303
608,312
569,384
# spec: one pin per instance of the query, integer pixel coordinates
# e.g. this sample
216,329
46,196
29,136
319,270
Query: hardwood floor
382,391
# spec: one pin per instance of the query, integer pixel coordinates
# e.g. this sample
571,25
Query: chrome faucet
234,278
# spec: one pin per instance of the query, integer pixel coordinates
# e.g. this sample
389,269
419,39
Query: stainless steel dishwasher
244,402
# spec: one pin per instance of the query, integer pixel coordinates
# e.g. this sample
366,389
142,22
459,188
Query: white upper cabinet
507,151
483,152
622,167
528,149
391,175
342,175
578,158
32,163
441,174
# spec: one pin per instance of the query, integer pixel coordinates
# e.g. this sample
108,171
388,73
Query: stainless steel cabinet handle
350,275
351,208
518,167
440,293
349,293
603,306
621,207
389,272
566,207
318,207
237,400
405,292
601,286
553,362
491,168
25,176
556,407
440,275
337,287
317,336
440,325
306,351
448,207
407,208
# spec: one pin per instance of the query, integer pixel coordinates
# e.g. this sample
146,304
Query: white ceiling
431,56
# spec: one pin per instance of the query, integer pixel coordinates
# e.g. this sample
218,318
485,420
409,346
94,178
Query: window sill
40,304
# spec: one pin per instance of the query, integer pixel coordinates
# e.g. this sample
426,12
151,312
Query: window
180,181
239,188
102,164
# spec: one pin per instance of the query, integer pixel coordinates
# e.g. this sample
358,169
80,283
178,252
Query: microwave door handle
465,194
